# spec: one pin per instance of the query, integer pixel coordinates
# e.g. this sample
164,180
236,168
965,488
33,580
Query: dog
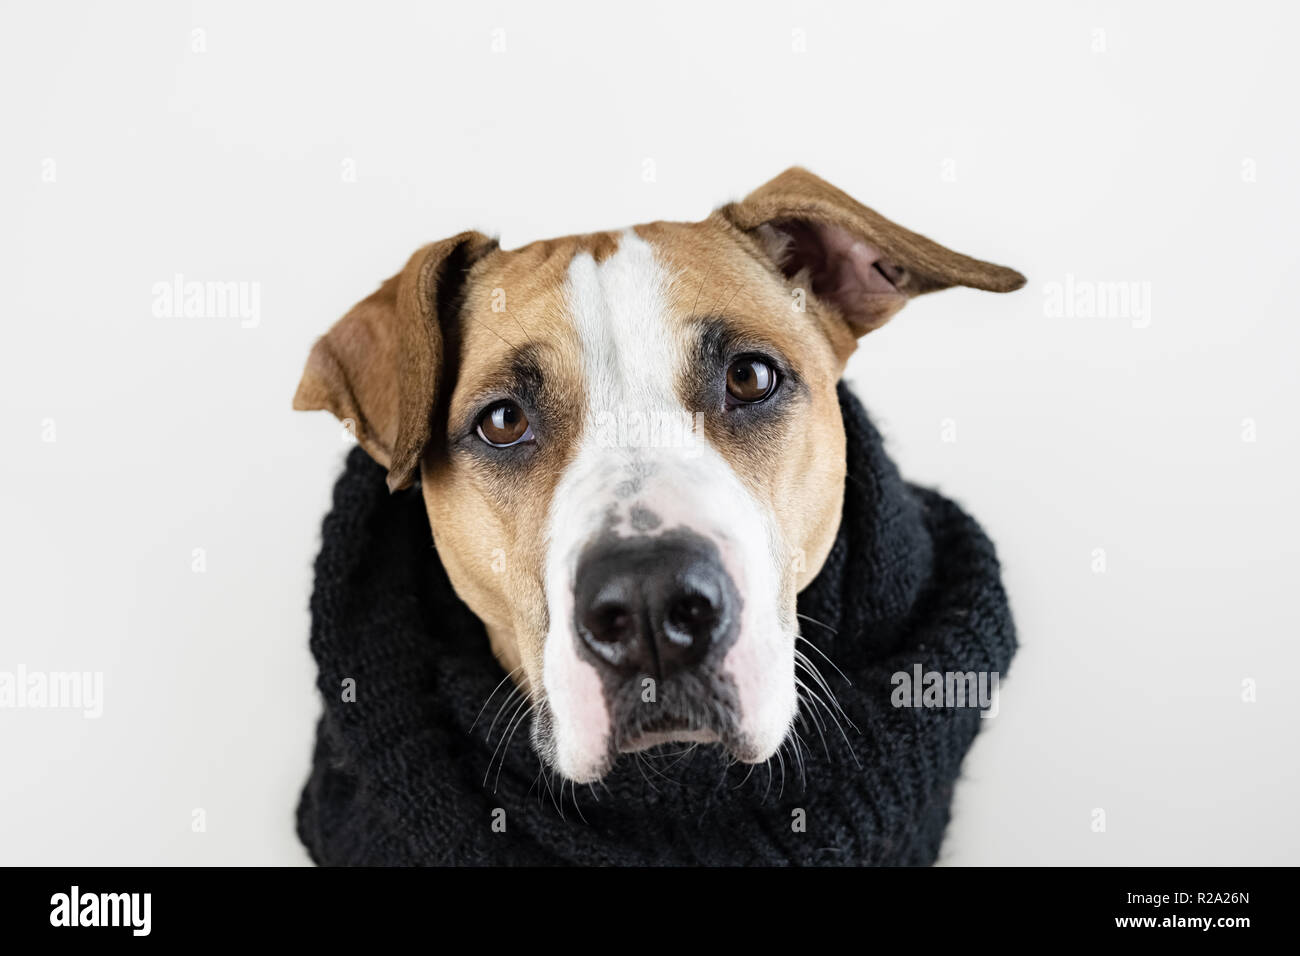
630,448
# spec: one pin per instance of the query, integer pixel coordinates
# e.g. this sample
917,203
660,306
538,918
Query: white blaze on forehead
637,468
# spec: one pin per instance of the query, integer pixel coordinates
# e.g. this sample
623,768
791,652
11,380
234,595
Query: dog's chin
685,722
742,749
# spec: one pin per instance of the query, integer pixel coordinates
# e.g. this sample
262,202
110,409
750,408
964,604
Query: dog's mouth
666,730
690,709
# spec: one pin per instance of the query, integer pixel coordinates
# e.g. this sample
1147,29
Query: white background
1162,149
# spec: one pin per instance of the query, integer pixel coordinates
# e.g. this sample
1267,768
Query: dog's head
630,448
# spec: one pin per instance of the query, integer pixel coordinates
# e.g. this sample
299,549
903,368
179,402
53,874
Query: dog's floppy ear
850,256
378,367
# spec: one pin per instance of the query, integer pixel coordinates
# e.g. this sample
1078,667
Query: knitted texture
403,774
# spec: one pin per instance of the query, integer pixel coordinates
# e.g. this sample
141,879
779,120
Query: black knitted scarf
403,775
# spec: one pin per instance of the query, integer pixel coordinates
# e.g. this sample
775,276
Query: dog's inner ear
838,268
378,368
851,257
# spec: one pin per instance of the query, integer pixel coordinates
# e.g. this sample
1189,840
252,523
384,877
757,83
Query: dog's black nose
652,606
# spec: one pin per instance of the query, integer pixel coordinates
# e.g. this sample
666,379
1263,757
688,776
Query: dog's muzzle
655,615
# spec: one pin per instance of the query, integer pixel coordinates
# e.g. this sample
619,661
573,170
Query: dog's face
630,448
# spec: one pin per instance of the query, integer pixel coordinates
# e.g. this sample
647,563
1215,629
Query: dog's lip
647,739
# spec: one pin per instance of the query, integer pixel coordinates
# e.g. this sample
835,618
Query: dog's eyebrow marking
526,367
520,371
519,375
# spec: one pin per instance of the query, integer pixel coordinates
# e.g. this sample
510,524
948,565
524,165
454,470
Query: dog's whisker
746,777
500,710
809,666
573,786
550,792
834,707
722,778
504,737
807,707
640,764
484,325
831,714
833,710
546,778
653,769
791,741
812,620
497,748
817,677
797,752
541,769
707,272
521,328
527,711
491,695
560,805
739,286
682,755
824,655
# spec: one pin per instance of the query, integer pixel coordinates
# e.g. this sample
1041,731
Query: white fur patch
633,459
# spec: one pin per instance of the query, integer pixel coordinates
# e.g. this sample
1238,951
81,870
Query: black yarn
398,776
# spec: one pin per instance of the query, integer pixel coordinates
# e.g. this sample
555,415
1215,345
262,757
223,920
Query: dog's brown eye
750,380
504,424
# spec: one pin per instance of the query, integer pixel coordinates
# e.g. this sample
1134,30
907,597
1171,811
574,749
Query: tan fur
407,374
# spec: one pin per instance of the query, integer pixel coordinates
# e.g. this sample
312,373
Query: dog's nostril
609,623
689,617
